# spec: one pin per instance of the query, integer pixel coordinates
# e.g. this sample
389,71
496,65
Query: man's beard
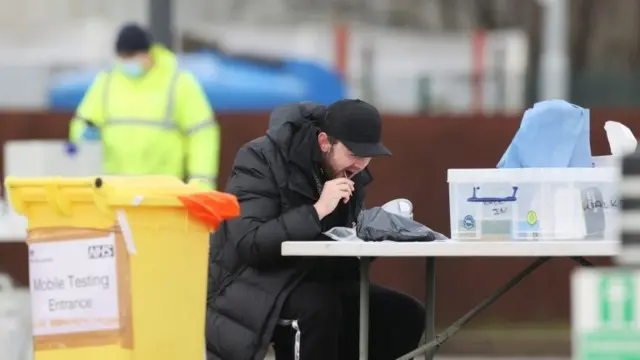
329,172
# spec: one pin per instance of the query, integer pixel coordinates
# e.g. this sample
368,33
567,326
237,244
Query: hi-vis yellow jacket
159,124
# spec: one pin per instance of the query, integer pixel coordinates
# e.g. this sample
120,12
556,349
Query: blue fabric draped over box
553,133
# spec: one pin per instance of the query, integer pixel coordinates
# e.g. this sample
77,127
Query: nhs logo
101,251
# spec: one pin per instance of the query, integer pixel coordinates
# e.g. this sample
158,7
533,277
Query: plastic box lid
535,175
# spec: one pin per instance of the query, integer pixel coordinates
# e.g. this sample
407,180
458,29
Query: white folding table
543,250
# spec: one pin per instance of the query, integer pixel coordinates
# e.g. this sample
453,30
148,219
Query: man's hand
332,192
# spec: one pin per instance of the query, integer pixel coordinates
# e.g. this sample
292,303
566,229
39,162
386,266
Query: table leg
430,304
365,262
455,327
582,261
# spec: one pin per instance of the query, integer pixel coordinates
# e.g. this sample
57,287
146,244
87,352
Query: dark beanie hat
132,38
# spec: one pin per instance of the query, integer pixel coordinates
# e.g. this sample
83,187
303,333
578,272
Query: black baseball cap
357,125
132,38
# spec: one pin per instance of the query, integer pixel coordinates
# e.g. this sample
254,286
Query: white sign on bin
606,314
74,286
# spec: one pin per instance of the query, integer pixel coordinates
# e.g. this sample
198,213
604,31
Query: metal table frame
542,251
434,341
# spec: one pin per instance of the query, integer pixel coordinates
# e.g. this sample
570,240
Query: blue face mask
132,68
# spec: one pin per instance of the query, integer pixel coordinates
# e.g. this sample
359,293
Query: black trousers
328,319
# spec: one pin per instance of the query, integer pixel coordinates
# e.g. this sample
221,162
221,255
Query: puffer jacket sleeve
261,228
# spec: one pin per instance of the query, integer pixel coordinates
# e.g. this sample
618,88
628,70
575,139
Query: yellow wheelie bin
118,265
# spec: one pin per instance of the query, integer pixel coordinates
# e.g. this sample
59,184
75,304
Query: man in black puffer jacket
304,177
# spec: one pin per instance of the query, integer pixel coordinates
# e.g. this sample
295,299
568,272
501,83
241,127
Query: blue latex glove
554,133
71,149
90,133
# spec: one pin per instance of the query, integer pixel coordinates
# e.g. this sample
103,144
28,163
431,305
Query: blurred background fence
407,56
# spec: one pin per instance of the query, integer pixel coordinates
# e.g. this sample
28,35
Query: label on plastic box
606,314
74,286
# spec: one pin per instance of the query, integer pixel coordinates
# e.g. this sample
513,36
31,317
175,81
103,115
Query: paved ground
481,358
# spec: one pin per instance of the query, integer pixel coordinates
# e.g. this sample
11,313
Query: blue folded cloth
554,133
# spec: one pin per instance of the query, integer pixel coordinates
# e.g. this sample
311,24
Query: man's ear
323,141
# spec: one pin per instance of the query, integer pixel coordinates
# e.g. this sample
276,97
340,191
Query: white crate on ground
15,321
33,158
605,313
13,227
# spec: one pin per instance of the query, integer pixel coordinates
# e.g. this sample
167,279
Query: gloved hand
70,148
90,133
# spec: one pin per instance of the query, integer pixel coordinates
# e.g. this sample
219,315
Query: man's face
339,160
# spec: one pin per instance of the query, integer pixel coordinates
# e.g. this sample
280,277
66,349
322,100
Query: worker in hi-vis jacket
153,117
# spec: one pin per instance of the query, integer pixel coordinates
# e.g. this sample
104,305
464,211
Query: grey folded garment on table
376,224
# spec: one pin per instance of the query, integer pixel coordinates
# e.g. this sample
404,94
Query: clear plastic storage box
534,203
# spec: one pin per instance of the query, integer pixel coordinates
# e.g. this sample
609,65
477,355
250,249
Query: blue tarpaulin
231,84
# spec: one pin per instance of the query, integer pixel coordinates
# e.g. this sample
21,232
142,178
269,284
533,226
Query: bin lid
108,192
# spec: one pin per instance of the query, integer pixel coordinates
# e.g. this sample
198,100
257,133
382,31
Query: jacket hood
289,119
163,57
